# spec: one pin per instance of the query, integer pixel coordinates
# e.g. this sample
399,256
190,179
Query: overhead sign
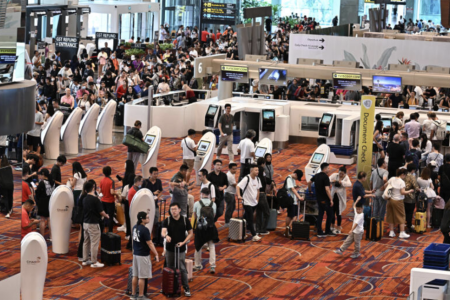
71,11
218,13
55,12
7,56
106,37
347,81
234,74
68,46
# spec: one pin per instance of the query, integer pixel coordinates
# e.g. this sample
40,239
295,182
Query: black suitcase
374,230
436,217
157,239
300,229
130,284
110,248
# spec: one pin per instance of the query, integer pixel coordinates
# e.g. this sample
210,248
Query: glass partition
99,23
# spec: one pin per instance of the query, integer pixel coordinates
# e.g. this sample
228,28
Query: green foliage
135,52
127,44
150,46
166,46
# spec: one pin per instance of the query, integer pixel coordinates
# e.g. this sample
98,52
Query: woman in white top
78,180
84,103
399,119
48,116
426,184
395,210
339,184
425,146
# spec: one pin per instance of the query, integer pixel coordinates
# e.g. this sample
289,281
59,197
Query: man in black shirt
108,80
31,159
120,51
56,170
324,200
92,212
174,231
277,92
137,133
444,178
107,50
262,209
155,186
88,72
395,99
220,181
396,154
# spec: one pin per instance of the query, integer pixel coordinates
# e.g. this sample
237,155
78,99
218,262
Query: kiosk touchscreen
268,120
212,116
87,127
60,208
153,139
263,147
69,131
205,153
326,125
143,200
33,266
105,123
321,155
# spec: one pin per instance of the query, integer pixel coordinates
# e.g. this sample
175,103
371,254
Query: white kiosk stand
50,136
69,132
105,123
205,153
321,155
263,147
143,201
87,127
33,266
60,208
153,139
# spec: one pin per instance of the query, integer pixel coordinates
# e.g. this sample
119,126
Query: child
355,235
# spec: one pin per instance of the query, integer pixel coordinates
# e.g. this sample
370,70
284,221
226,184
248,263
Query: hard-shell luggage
272,224
110,248
367,210
171,282
236,230
436,217
300,229
190,269
420,225
130,283
374,230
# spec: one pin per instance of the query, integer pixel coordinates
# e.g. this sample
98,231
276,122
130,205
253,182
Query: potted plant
136,52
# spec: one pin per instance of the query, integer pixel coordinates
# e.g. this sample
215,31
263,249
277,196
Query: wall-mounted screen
317,158
347,81
203,146
149,139
268,114
272,76
260,151
212,110
234,74
386,84
448,127
326,119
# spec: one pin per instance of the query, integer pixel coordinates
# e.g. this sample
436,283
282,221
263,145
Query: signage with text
218,13
347,81
234,74
7,56
68,46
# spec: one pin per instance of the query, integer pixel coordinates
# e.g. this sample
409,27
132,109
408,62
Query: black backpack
206,218
284,199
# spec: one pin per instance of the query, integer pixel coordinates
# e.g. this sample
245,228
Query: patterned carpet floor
275,268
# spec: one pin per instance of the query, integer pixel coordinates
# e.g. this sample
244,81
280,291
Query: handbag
387,194
137,89
135,144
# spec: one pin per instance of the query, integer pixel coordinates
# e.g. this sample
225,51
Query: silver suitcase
236,230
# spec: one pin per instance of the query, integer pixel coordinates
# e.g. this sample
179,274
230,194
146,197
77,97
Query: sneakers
256,238
80,259
330,233
212,270
86,263
197,268
141,298
97,265
133,297
412,226
187,293
392,234
338,251
354,255
127,237
321,235
122,228
403,235
8,216
264,233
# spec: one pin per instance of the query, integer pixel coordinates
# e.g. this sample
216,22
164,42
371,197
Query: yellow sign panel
347,76
8,51
234,69
366,136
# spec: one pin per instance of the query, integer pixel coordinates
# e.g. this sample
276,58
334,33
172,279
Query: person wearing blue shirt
359,190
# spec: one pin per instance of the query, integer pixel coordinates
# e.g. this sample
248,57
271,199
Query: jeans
181,264
409,212
336,216
220,206
353,237
212,255
91,241
324,207
230,199
229,140
379,207
248,216
110,209
262,213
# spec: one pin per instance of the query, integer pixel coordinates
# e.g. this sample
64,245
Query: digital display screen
268,114
326,119
346,81
317,158
234,74
412,107
260,151
322,101
212,110
387,123
7,58
149,139
218,13
448,127
386,84
203,146
346,103
272,76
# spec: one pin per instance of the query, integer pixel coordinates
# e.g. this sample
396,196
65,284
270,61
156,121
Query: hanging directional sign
218,13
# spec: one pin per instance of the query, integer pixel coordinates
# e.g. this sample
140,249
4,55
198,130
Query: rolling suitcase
367,210
190,268
236,230
436,217
120,215
111,248
158,240
130,283
374,230
171,281
420,223
300,229
272,224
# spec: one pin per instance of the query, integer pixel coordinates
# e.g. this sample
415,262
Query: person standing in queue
136,132
107,186
220,181
247,150
324,200
189,152
226,133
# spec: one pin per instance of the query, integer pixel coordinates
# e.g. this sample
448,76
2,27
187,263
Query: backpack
441,130
284,199
206,218
415,156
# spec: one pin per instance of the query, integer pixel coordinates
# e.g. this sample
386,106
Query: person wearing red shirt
204,35
27,224
107,188
121,91
26,192
218,34
212,36
137,185
190,95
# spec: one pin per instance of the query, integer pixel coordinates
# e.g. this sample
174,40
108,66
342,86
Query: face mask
139,186
83,87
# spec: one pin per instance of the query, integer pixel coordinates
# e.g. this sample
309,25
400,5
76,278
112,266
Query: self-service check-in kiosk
267,124
50,136
69,131
87,127
321,155
212,116
105,123
153,139
60,207
205,153
33,266
327,126
143,200
263,147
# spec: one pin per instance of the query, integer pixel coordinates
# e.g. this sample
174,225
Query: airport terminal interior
224,149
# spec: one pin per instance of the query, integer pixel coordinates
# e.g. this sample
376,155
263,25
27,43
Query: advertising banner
366,136
68,46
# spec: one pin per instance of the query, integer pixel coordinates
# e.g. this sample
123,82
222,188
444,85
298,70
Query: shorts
292,211
33,141
189,163
375,148
142,267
